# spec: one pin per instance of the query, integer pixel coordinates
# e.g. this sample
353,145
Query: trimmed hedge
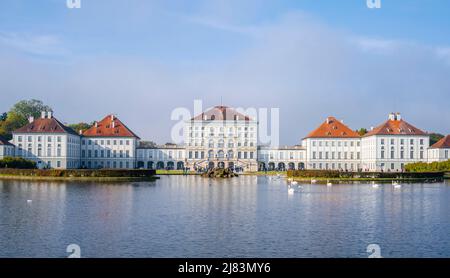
443,166
363,175
93,173
17,163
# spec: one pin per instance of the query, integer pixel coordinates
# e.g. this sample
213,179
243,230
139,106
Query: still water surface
248,216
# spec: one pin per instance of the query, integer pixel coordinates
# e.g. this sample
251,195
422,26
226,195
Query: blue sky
310,58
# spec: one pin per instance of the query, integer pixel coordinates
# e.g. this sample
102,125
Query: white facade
6,149
440,151
438,155
393,152
171,157
48,143
108,152
283,158
215,139
342,154
393,144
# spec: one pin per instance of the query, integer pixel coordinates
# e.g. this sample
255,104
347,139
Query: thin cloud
42,45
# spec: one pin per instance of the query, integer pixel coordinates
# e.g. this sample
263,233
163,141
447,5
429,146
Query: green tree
434,137
362,131
80,126
18,115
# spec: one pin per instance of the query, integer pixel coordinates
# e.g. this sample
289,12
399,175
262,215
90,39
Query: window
19,138
83,153
392,153
411,142
39,138
446,154
402,141
421,141
58,164
120,142
392,141
102,153
190,154
89,153
30,139
95,153
58,139
127,153
382,142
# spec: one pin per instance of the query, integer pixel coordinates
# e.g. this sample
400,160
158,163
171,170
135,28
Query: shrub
364,175
105,173
443,166
17,163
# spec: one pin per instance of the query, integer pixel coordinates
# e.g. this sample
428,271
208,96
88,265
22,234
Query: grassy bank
78,174
380,180
268,173
174,172
95,179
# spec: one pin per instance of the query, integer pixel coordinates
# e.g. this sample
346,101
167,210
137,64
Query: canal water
249,216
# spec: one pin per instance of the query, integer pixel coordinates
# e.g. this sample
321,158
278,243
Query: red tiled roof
444,143
221,113
395,127
5,142
332,128
45,125
110,126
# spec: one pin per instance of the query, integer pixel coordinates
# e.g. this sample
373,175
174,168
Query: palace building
440,151
393,144
224,137
333,146
221,137
6,148
48,142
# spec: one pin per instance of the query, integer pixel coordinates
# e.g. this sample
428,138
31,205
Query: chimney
43,113
30,119
398,116
96,124
391,116
328,120
204,117
80,132
112,117
113,124
371,128
49,114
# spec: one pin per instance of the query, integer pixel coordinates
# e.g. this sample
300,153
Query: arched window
211,143
220,144
220,154
230,154
230,144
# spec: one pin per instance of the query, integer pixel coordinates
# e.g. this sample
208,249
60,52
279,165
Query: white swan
294,183
29,201
375,185
396,185
313,181
329,183
291,191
